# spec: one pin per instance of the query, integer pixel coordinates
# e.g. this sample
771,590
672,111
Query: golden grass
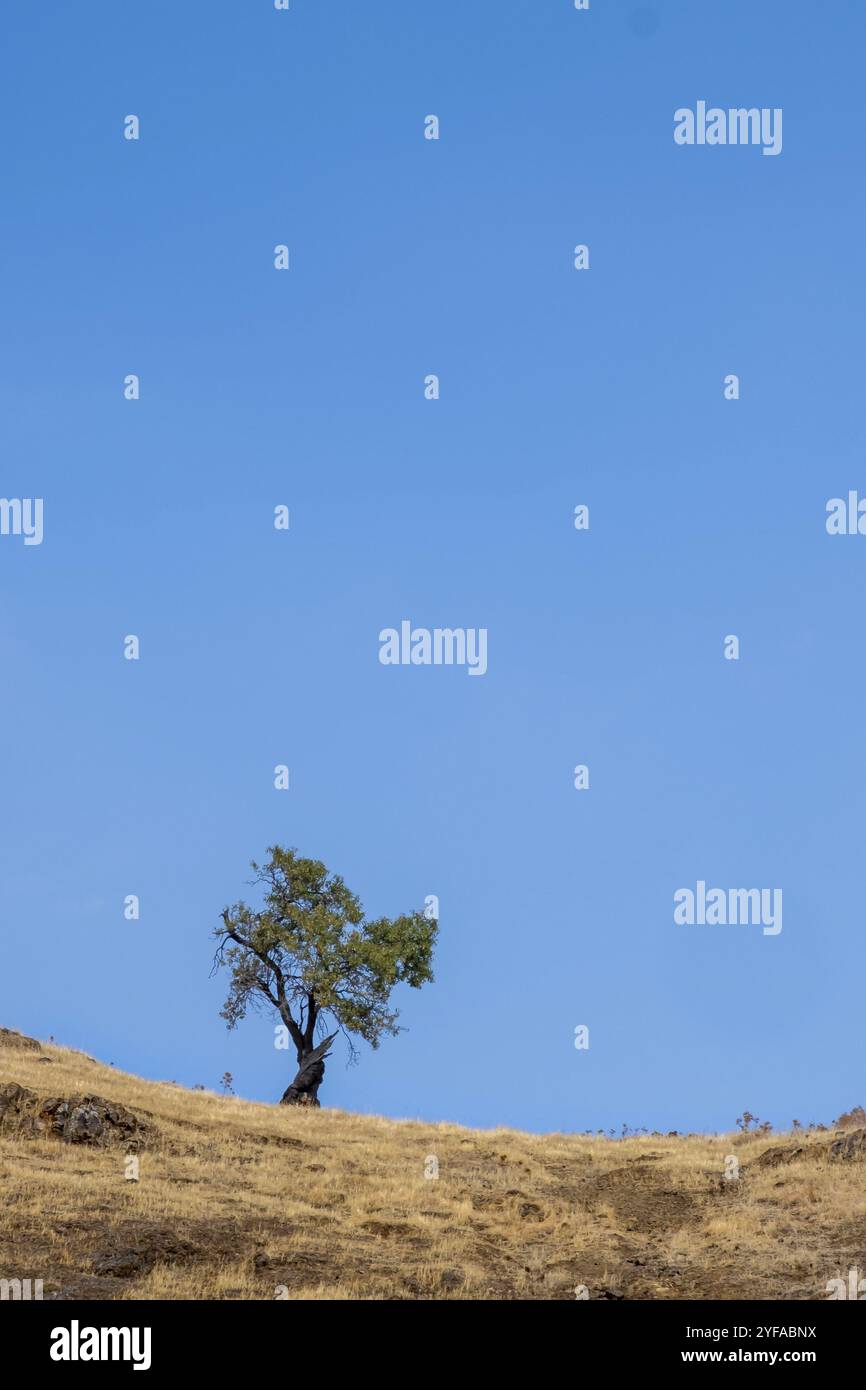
244,1201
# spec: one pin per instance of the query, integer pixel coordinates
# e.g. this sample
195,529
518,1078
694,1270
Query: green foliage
309,952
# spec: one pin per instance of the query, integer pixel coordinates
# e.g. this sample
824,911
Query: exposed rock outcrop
850,1146
9,1038
74,1119
785,1154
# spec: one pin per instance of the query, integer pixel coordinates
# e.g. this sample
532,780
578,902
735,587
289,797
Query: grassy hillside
243,1201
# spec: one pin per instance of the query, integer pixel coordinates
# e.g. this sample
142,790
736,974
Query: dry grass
244,1201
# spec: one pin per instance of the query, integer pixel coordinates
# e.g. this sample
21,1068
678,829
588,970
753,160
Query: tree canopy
310,954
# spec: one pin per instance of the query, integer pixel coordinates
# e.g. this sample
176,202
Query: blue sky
558,387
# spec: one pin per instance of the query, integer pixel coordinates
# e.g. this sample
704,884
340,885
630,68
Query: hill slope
236,1200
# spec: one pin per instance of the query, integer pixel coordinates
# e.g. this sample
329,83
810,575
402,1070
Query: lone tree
310,955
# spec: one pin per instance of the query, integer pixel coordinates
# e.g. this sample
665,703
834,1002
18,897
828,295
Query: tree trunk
304,1090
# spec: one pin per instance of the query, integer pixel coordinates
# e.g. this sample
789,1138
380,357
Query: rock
123,1264
134,1248
15,1102
76,1119
851,1146
92,1120
9,1038
773,1158
530,1211
138,1260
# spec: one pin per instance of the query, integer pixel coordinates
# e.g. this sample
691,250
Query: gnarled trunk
304,1090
